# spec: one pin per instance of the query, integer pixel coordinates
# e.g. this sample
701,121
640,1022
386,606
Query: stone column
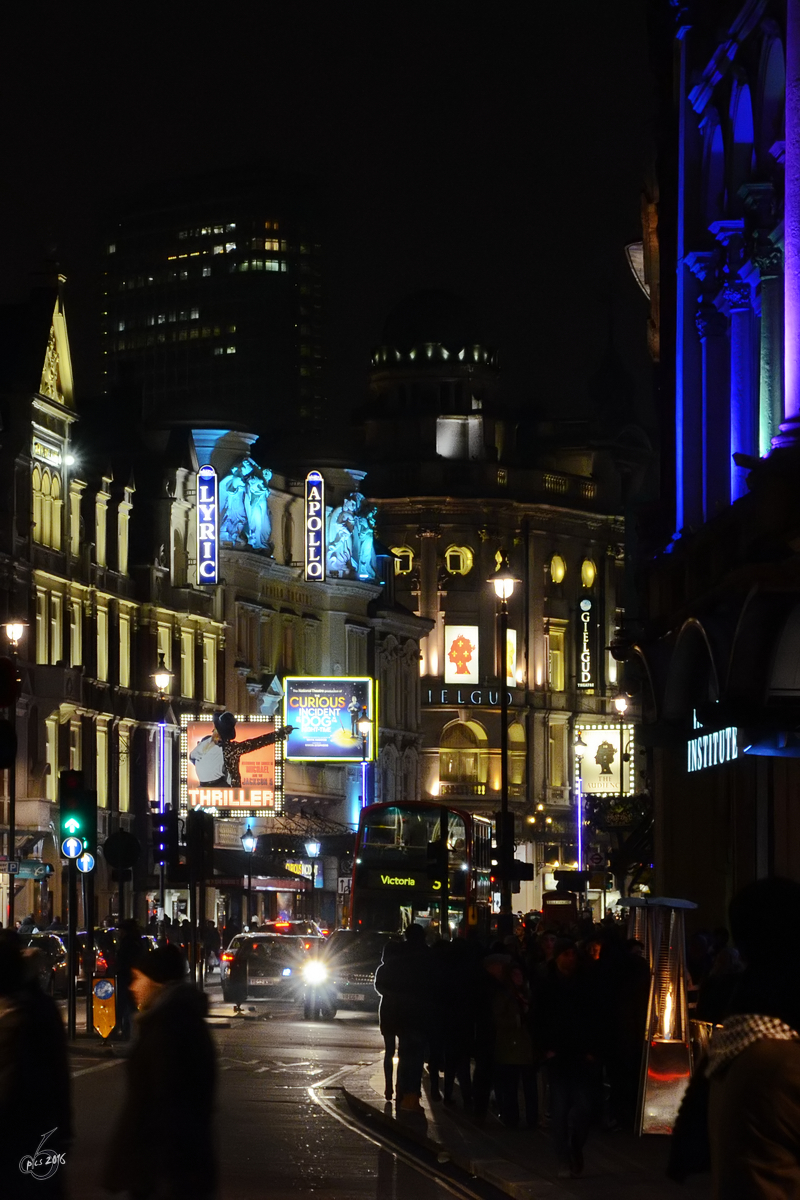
790,429
769,260
743,438
712,326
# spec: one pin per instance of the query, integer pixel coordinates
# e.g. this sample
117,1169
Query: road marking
115,1062
454,1187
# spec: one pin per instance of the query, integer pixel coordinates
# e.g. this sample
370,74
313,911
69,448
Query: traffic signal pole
72,944
505,925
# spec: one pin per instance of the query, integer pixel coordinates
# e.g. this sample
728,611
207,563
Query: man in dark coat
407,980
567,1026
171,1070
35,1116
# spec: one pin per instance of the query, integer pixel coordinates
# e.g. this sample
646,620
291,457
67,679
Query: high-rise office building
212,300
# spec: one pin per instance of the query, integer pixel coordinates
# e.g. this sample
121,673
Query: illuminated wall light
436,787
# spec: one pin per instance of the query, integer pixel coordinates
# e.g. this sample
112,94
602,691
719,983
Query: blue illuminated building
716,656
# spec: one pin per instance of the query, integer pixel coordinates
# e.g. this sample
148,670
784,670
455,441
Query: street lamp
621,705
504,581
313,850
249,843
364,728
161,678
15,631
580,750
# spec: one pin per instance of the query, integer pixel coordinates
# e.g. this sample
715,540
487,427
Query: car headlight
314,973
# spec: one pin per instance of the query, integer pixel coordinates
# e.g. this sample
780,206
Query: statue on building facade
243,506
351,539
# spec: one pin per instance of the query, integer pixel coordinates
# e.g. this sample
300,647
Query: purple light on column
790,429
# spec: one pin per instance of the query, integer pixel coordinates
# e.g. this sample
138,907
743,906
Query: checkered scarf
741,1031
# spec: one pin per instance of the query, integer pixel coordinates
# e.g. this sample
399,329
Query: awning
234,866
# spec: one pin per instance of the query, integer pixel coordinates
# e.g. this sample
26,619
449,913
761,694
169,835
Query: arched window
47,509
36,488
714,173
55,541
463,754
771,105
516,754
741,155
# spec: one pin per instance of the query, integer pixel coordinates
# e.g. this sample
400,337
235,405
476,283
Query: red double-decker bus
422,862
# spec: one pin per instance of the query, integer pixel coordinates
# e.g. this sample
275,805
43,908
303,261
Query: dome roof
431,316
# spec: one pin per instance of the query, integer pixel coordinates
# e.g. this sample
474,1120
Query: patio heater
667,1060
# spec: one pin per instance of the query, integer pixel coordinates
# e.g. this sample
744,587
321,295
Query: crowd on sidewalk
541,1020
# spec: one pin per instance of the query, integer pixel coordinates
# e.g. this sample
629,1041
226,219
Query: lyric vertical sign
207,526
315,526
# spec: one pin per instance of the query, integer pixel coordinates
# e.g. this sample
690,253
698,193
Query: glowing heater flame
668,1017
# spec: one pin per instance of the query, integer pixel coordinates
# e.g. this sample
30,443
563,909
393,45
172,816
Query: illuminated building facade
103,542
463,484
212,301
715,662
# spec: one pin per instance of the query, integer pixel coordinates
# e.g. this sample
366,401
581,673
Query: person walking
407,980
387,1014
128,951
35,1111
570,1041
171,1070
513,1050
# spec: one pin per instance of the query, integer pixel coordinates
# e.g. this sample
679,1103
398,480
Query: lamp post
14,632
313,850
161,678
364,728
580,750
504,582
621,705
249,843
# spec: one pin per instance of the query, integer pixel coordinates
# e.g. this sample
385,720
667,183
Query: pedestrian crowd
544,1026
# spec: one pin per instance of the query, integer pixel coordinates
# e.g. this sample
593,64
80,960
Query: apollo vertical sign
315,526
207,526
586,664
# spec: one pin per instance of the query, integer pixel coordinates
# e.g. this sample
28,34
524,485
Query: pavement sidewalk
521,1162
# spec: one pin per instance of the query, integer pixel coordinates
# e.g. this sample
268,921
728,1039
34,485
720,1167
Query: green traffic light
72,825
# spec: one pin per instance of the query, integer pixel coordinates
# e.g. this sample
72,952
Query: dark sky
494,150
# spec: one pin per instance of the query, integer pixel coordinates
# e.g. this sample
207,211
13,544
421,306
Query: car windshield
267,947
350,947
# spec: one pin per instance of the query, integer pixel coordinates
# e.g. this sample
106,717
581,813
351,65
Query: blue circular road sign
72,847
85,862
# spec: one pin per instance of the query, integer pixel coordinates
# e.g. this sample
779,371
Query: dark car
342,974
306,929
53,963
263,966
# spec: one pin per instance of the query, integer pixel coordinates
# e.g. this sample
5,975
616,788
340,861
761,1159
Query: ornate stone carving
710,322
737,293
768,257
351,539
49,384
243,507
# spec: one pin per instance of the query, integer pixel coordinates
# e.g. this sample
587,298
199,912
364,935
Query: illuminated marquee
324,715
206,781
207,526
315,526
585,653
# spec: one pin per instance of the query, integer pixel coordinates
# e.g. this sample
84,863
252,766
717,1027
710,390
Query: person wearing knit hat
171,1069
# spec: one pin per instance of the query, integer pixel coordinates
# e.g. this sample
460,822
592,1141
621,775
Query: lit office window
56,628
556,665
76,634
124,650
209,668
102,764
229,246
194,313
111,248
230,349
218,250
187,663
102,642
41,626
124,759
206,272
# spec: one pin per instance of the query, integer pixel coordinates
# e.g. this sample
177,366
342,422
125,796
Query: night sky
493,150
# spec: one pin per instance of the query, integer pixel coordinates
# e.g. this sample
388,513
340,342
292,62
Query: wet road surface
274,1140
